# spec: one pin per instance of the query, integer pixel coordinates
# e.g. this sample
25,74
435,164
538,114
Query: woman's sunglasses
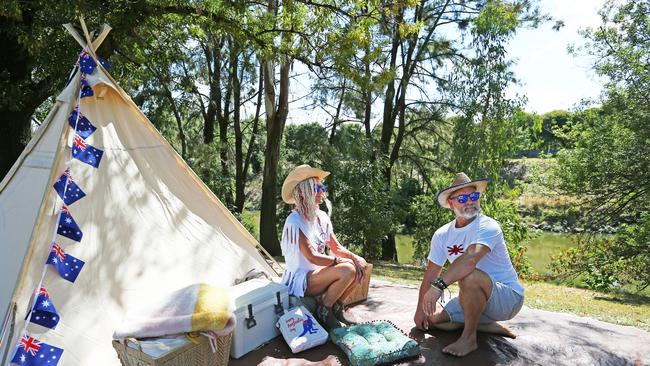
319,187
462,198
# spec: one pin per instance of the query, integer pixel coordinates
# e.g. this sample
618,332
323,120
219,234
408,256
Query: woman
307,232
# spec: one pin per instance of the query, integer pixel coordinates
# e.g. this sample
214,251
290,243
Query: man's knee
474,280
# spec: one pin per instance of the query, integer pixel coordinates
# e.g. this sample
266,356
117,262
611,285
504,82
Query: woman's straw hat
460,181
297,175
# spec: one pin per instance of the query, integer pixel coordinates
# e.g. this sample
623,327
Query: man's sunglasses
319,187
462,198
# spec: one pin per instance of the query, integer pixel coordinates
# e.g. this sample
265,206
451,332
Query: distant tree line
414,90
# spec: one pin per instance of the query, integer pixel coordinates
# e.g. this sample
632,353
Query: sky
550,77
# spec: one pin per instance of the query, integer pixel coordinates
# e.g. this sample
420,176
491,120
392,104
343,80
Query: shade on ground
545,338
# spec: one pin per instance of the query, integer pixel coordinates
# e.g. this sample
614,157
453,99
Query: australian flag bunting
67,226
86,152
80,124
86,63
104,63
67,265
86,89
43,313
32,352
72,193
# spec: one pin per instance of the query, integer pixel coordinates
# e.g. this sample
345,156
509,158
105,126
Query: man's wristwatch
440,284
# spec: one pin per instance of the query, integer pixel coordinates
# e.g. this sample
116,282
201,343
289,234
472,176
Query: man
489,288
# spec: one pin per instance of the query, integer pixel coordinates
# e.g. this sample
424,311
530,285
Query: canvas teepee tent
150,226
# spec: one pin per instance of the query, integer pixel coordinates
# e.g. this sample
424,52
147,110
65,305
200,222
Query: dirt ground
544,338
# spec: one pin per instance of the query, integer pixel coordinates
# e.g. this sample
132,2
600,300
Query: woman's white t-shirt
297,267
450,242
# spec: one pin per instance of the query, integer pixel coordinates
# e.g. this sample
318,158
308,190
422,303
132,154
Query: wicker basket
361,292
191,354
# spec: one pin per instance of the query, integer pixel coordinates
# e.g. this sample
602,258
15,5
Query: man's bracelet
440,284
335,262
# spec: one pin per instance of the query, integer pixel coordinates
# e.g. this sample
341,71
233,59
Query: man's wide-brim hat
460,181
297,175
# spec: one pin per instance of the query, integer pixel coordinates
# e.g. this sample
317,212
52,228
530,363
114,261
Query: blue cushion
374,343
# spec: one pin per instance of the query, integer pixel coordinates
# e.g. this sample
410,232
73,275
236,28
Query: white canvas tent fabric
150,226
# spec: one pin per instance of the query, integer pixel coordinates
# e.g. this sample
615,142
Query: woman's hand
360,265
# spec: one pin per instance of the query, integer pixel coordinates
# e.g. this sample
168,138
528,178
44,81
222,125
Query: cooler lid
255,291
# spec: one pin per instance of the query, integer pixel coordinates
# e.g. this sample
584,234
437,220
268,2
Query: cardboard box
361,292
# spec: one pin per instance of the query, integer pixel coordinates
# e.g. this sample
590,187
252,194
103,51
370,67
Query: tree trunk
240,180
179,122
274,129
213,57
337,116
249,152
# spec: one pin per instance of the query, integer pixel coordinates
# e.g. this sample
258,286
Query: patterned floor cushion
374,343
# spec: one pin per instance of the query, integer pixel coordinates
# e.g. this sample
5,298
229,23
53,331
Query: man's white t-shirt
450,242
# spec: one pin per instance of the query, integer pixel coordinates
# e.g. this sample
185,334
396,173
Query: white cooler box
259,303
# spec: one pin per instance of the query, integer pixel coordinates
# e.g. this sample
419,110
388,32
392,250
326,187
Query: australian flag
32,352
72,193
86,63
67,226
86,152
43,313
81,124
104,63
86,89
67,265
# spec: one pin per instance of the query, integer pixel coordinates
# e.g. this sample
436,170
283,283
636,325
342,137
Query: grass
618,308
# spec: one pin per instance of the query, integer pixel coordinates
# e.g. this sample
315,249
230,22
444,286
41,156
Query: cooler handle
279,309
250,321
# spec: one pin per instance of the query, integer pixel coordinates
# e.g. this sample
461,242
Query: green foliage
363,212
609,168
515,231
429,216
604,263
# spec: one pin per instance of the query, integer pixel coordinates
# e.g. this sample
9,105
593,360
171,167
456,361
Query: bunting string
29,350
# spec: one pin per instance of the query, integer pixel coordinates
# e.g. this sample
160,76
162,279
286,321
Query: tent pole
9,319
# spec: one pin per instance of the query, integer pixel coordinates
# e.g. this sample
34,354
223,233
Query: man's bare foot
461,347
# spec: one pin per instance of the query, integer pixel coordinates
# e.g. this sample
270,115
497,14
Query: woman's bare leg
332,281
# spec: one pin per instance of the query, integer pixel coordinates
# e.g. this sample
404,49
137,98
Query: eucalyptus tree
422,59
38,53
609,165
